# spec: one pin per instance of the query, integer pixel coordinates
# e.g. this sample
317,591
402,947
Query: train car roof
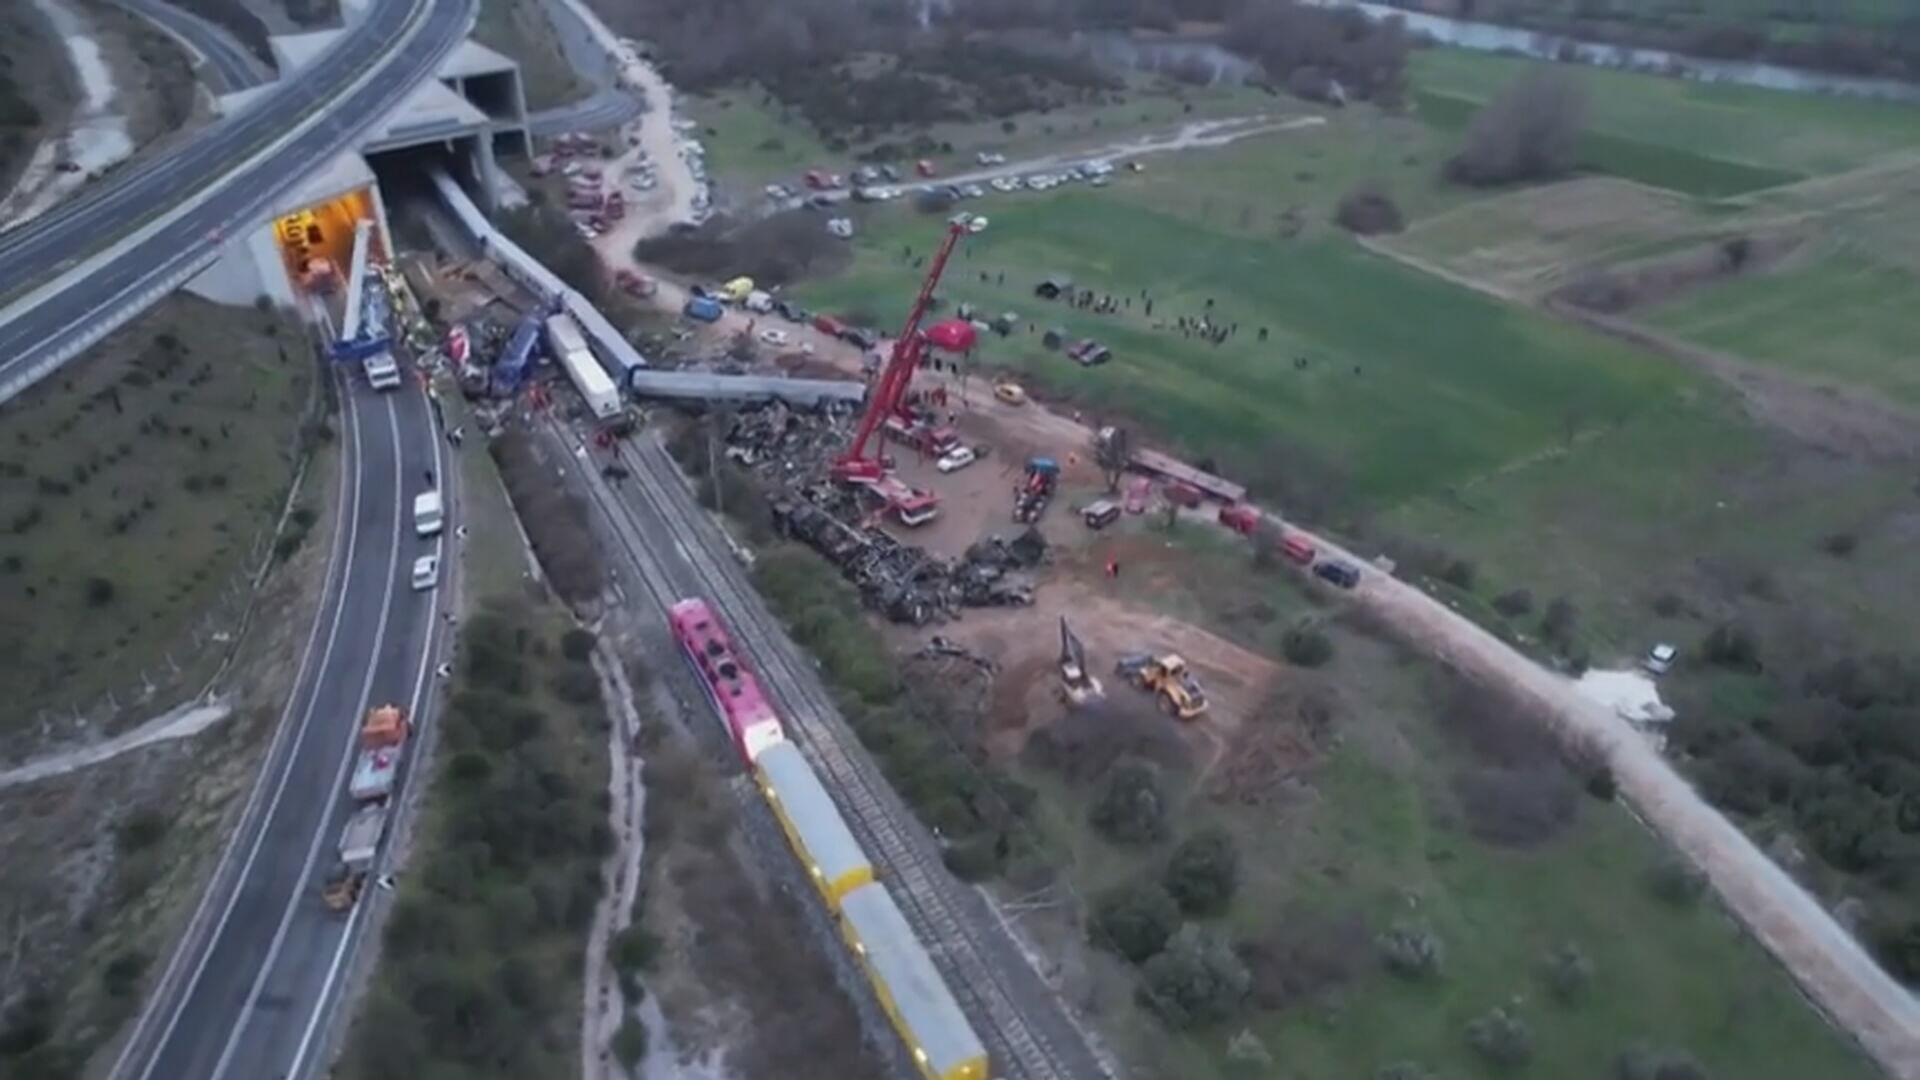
811,811
925,1005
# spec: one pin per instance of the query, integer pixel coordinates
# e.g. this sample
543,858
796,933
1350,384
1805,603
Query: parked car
774,337
1660,659
1338,571
859,338
956,459
426,572
1101,514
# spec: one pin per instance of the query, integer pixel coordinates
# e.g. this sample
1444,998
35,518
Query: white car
426,572
1660,659
773,336
956,459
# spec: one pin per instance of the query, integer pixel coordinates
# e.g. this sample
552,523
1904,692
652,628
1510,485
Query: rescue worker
1113,568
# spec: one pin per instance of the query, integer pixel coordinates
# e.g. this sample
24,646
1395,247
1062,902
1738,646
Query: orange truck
383,740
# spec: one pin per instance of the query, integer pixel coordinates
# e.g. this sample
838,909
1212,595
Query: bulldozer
1167,678
1079,686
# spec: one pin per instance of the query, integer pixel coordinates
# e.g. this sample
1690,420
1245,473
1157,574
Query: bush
1203,872
630,1042
1501,1038
1514,604
1131,807
1135,921
577,644
1840,544
1557,624
973,858
1306,646
1196,980
121,977
1732,647
100,592
1403,1070
142,830
634,949
576,684
1642,1062
1567,972
1368,210
1676,882
1411,952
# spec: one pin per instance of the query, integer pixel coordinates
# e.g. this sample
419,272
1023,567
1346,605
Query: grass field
1415,384
752,140
1529,242
1384,829
135,483
1697,137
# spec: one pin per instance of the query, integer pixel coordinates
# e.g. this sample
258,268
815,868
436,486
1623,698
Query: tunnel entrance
316,242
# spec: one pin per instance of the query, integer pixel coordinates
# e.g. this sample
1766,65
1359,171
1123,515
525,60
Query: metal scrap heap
790,450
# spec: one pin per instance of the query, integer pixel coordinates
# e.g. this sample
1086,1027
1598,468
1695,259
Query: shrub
1676,882
1131,807
1203,872
576,684
1840,544
1411,951
1642,1062
1368,210
1134,921
1501,1038
1306,646
630,1041
1529,131
1514,604
634,949
142,830
1567,972
100,592
1403,1070
121,977
1196,980
1731,646
972,858
577,644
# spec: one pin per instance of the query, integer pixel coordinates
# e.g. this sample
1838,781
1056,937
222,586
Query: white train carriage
917,1001
814,827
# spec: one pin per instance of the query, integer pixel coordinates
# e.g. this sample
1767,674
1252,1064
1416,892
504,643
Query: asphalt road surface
57,242
252,990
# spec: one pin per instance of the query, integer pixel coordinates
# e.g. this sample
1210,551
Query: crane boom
891,387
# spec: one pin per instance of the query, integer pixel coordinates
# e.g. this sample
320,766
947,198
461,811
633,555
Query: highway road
227,65
253,989
181,203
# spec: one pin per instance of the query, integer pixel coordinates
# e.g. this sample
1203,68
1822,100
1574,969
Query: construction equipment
359,842
1035,490
1167,678
887,395
1079,685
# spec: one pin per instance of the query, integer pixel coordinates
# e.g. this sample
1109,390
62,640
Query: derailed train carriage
915,999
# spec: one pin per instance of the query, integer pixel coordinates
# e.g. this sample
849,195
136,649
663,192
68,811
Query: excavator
1076,682
1166,677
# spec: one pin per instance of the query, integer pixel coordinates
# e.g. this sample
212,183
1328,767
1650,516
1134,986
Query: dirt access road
1827,962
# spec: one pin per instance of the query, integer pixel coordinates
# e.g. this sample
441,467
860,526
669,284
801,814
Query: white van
383,373
428,514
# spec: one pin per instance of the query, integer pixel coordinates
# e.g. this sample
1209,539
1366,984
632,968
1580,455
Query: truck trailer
359,843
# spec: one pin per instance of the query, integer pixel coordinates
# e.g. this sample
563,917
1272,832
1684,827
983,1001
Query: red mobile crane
887,405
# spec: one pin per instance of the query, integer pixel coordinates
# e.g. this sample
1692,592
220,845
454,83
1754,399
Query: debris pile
790,451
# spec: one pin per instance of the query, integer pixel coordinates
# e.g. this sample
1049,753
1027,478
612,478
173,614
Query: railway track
1029,1035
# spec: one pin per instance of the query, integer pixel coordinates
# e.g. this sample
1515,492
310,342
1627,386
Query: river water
1488,37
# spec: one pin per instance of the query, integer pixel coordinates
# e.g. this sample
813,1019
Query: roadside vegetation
521,29
33,73
152,73
141,486
480,958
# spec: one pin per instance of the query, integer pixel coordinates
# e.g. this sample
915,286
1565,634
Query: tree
1567,972
1305,645
1403,1070
1368,210
1196,980
1676,882
1514,604
630,1041
1112,453
1203,872
1731,646
1131,807
1411,951
1501,1038
100,592
1134,920
1530,131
